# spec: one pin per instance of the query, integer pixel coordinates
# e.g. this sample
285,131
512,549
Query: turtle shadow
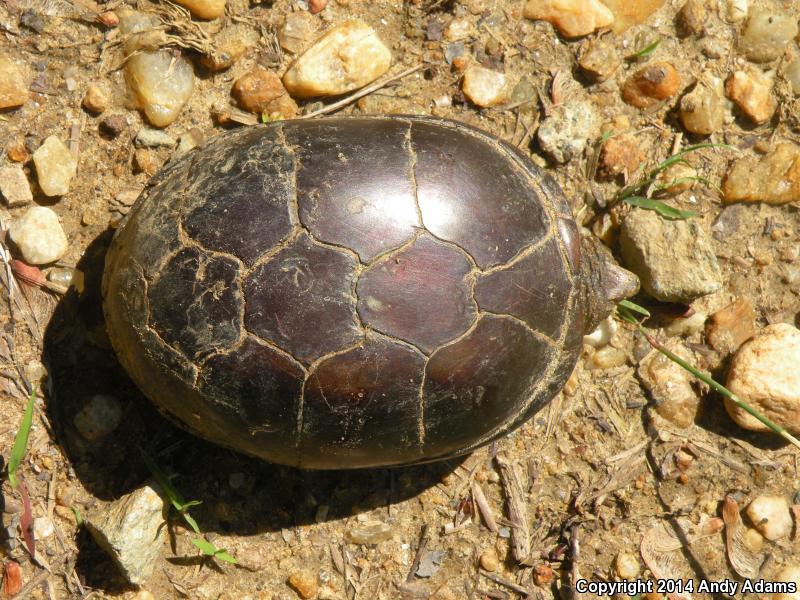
239,494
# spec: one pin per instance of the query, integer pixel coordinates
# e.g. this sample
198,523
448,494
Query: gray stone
562,135
153,138
15,187
674,260
131,531
101,415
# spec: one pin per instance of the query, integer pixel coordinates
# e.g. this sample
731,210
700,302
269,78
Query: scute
195,304
301,300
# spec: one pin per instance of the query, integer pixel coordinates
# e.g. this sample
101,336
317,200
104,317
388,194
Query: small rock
607,357
603,334
153,138
347,57
686,326
771,516
788,574
14,186
261,91
12,577
599,59
63,276
764,374
792,75
146,162
13,87
753,540
99,417
692,17
191,139
752,93
371,532
316,6
542,575
95,100
204,9
670,386
620,154
484,87
773,178
563,135
627,565
730,327
572,18
674,259
489,560
17,152
651,84
767,34
627,13
55,166
131,531
143,595
297,32
161,82
39,236
113,125
736,10
458,29
429,563
42,528
229,45
304,583
677,178
702,110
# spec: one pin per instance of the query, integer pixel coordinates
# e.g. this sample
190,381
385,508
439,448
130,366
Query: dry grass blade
517,510
743,562
659,549
483,507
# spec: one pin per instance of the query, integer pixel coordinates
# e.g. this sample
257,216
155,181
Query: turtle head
604,282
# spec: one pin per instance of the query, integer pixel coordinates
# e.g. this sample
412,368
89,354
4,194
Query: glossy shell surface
348,292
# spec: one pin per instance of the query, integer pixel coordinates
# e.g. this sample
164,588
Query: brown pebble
113,125
17,153
261,91
651,84
108,18
620,154
752,93
732,326
489,560
95,100
315,6
692,17
304,583
12,579
145,161
542,575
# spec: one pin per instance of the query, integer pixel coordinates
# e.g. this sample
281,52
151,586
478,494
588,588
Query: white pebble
771,516
484,87
161,83
627,565
42,528
55,166
99,417
347,57
39,236
764,374
603,334
737,10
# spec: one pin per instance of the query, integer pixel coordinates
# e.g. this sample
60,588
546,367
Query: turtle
354,292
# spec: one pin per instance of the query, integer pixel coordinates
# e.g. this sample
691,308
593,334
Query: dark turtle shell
348,292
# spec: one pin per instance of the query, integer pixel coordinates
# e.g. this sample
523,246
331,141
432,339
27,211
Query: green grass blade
205,546
163,481
21,442
223,555
665,210
634,307
190,520
647,50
